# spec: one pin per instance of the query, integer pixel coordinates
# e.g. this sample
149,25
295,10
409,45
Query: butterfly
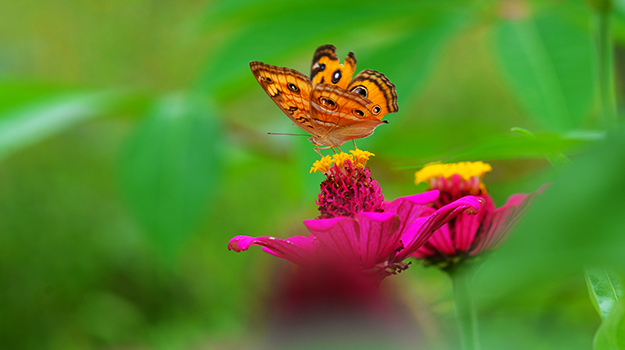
330,105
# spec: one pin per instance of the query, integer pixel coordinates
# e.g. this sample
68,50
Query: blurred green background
133,146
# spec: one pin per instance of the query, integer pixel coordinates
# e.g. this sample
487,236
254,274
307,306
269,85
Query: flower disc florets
348,188
454,180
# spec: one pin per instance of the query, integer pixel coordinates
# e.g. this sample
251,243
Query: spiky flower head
348,188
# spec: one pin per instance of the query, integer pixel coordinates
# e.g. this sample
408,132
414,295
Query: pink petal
441,240
269,251
411,207
497,227
465,228
423,228
379,236
241,243
364,239
515,199
409,236
297,249
340,235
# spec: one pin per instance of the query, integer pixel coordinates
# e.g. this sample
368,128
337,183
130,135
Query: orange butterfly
330,106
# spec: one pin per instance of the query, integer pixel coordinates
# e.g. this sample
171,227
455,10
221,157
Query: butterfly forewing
289,89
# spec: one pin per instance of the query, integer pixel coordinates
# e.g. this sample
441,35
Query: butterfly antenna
285,134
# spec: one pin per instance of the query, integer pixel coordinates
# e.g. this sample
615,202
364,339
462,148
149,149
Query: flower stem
465,310
605,65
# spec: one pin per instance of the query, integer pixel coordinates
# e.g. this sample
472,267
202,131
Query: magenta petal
297,249
419,234
409,236
308,243
498,225
340,235
241,243
441,240
516,199
269,251
379,236
364,239
411,207
466,226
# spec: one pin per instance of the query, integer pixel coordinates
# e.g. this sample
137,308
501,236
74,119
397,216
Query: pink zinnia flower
356,229
466,236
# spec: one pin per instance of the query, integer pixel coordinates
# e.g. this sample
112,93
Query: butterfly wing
340,115
326,68
375,87
289,89
329,106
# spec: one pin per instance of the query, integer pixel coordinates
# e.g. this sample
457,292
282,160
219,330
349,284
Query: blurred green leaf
36,121
557,159
15,93
171,168
275,30
515,146
109,317
611,334
548,63
415,54
605,289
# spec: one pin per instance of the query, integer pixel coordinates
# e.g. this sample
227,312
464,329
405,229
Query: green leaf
515,146
410,44
15,93
557,159
415,54
548,64
611,333
605,289
170,169
35,121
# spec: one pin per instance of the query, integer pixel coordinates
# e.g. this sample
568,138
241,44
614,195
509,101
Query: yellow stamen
340,158
358,158
466,170
361,157
322,165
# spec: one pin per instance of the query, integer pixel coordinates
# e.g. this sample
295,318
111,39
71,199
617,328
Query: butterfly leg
355,147
317,150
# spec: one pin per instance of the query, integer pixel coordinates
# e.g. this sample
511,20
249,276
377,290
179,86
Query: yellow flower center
358,158
466,170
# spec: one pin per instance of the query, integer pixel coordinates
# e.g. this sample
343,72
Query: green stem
605,62
465,310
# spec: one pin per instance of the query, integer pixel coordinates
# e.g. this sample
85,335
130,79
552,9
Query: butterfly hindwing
326,68
289,89
375,87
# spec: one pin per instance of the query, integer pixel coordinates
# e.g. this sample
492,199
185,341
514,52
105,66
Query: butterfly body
329,105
